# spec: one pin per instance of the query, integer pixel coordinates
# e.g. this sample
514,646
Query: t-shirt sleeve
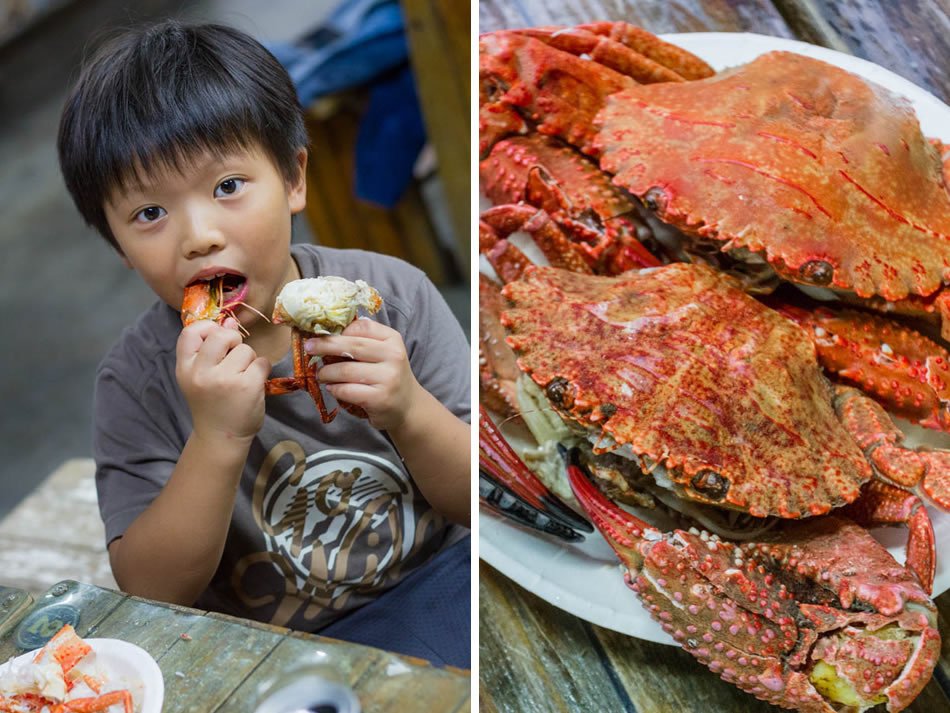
134,455
439,352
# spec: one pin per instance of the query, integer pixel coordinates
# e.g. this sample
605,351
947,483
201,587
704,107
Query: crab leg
882,443
597,217
100,703
625,48
517,68
305,378
511,489
885,504
734,608
513,69
497,366
900,368
496,224
684,63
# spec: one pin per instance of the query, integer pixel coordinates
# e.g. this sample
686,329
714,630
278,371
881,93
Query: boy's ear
297,189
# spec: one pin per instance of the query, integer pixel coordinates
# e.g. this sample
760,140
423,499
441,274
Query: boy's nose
201,236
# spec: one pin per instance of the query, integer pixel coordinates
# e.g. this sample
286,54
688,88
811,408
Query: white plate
586,579
124,665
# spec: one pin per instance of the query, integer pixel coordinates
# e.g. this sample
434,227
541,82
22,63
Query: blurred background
385,86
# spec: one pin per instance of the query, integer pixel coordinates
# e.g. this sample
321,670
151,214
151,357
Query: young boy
184,146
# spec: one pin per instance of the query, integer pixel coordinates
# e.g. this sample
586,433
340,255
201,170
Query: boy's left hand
379,379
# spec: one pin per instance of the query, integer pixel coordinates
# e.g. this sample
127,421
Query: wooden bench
56,533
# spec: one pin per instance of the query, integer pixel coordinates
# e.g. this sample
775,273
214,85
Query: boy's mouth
228,288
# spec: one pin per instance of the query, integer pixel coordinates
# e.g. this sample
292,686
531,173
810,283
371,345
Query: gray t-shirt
327,517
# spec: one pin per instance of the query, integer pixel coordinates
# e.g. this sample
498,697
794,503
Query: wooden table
211,662
534,657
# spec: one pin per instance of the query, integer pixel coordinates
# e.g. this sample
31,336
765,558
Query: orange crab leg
496,224
497,366
100,703
882,443
900,368
597,218
602,43
305,379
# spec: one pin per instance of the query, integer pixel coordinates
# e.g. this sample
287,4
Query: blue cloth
428,614
363,44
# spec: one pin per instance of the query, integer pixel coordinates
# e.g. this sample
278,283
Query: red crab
717,397
676,374
822,619
826,184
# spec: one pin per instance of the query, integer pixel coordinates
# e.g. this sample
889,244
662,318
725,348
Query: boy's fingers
260,367
350,347
352,372
356,394
192,337
365,327
216,346
239,358
358,348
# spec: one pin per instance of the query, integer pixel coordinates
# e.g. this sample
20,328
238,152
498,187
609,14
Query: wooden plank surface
213,662
911,39
534,657
48,537
439,33
675,16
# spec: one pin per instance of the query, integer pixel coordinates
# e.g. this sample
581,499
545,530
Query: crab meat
324,305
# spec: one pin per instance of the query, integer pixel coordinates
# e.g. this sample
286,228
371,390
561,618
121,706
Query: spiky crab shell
766,616
686,370
826,173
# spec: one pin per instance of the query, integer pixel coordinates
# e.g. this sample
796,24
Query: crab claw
824,620
509,488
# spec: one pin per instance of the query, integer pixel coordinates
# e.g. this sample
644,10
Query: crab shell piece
824,172
826,614
324,305
679,368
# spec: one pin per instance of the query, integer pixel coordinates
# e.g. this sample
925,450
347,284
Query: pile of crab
745,278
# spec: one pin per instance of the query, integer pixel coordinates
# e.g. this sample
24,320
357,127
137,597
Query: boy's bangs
174,137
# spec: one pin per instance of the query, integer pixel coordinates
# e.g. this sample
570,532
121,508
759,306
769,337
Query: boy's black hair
156,97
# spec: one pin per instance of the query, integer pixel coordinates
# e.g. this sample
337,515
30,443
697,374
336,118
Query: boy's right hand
222,379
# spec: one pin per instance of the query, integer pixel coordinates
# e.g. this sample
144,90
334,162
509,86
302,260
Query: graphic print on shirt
335,523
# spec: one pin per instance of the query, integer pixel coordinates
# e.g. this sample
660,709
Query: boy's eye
150,214
229,186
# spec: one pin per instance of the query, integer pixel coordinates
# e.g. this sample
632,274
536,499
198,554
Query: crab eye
560,393
710,484
655,199
818,272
